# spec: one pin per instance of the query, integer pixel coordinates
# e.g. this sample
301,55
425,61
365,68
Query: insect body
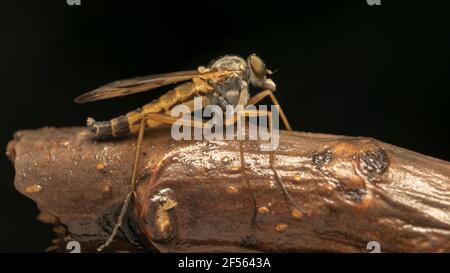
129,123
224,82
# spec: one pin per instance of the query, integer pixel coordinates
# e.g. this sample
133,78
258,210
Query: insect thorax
230,62
233,89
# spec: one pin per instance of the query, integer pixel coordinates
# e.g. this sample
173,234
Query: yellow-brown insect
222,83
129,123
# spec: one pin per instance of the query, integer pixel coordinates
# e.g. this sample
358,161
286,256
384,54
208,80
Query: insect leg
261,95
169,120
278,178
166,117
228,122
133,187
249,185
158,118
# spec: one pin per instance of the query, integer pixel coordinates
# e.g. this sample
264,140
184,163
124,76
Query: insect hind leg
143,117
272,160
133,187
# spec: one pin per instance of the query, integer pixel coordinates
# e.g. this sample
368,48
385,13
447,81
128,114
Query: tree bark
192,196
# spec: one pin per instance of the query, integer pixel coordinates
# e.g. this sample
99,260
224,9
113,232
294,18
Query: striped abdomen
129,123
116,127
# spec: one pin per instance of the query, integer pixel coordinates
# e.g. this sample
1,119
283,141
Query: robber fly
224,82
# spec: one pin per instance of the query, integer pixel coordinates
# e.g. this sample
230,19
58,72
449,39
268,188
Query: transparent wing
140,84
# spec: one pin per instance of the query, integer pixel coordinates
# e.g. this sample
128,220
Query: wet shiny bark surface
193,196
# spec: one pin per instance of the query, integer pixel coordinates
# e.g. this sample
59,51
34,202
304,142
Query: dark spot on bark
144,176
322,158
355,194
250,241
129,230
373,163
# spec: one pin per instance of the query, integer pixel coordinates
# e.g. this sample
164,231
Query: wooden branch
193,197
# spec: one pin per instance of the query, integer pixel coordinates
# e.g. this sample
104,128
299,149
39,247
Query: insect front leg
268,93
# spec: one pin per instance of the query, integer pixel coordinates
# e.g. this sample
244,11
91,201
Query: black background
344,68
